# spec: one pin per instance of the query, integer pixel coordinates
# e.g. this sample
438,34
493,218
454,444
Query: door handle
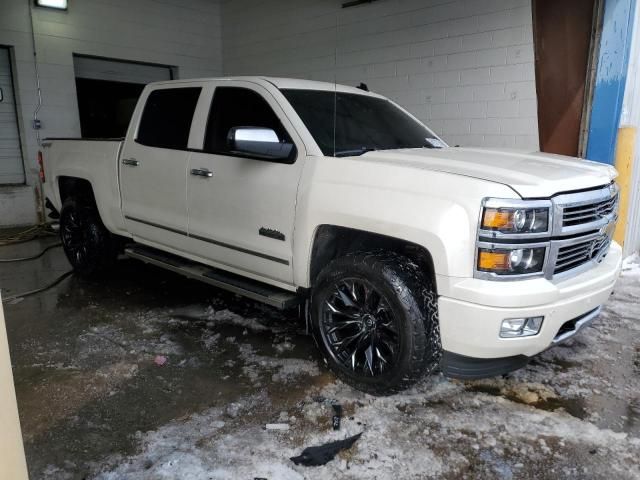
201,172
131,162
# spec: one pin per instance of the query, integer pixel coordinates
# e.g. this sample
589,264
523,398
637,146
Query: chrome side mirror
259,142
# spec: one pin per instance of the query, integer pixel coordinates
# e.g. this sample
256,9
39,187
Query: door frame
592,68
581,129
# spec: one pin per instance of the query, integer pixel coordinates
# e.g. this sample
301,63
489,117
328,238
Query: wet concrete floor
83,354
86,357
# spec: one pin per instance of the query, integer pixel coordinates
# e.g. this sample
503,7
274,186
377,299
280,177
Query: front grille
591,212
572,256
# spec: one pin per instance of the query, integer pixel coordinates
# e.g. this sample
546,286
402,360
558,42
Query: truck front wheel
374,316
89,246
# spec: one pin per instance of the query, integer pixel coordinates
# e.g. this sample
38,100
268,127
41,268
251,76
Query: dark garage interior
105,107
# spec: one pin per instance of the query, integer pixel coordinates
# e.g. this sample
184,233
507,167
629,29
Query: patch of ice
283,346
227,317
286,369
210,340
631,265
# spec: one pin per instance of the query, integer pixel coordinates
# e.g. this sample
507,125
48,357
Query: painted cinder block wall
464,67
180,33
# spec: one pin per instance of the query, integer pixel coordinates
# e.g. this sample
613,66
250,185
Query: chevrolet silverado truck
402,253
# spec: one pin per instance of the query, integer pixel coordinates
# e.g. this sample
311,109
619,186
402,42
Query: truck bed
94,160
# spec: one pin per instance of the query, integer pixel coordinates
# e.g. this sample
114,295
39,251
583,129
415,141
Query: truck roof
280,83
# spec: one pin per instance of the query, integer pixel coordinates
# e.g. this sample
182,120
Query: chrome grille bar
591,215
588,213
584,212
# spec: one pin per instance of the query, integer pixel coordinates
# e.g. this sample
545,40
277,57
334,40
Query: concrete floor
95,404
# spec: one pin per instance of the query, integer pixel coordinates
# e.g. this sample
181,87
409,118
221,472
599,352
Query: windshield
363,123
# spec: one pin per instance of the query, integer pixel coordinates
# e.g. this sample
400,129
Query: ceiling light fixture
56,4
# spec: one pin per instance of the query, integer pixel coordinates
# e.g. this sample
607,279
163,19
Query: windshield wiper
354,152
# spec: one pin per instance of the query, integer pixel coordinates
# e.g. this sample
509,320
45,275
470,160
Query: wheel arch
75,187
333,241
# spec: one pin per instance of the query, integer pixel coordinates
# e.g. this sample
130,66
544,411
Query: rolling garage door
11,169
108,91
119,71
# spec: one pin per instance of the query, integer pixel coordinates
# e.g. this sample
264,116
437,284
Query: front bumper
470,323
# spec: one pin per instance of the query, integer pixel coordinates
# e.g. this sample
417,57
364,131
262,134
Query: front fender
436,210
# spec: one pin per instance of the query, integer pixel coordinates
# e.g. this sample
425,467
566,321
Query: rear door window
166,118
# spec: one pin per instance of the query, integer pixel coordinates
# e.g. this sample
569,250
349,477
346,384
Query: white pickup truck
404,253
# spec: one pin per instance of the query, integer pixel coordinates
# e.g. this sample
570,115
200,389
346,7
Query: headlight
511,261
513,238
515,220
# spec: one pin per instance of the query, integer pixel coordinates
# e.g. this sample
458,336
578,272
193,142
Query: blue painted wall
611,76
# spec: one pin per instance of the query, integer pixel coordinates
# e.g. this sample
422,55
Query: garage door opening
108,90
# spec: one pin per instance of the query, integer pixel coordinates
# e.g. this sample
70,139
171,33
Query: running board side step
261,292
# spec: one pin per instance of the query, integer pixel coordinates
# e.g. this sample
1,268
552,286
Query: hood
531,175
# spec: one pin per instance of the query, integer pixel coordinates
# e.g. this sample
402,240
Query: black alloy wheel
89,246
374,317
359,328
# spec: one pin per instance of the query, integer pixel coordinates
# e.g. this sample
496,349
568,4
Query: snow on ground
287,369
574,412
631,265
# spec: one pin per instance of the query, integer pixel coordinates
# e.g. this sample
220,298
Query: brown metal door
562,38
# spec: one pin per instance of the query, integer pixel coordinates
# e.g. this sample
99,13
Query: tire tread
417,295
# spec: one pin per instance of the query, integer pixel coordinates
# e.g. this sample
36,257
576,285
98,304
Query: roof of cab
280,83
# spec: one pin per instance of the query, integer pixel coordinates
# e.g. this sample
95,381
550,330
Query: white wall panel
447,61
185,34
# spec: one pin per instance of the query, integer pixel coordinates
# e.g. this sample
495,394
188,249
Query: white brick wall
181,33
465,67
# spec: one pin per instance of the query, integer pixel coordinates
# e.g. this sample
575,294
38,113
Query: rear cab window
167,116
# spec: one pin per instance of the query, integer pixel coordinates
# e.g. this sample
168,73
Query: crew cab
404,253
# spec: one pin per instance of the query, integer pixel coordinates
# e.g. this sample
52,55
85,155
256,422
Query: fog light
520,327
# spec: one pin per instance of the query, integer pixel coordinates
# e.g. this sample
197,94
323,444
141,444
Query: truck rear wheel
89,246
374,316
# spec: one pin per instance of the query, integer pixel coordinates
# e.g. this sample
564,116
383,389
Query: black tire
406,299
89,246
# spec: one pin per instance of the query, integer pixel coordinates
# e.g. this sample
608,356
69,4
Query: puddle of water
573,406
483,388
604,411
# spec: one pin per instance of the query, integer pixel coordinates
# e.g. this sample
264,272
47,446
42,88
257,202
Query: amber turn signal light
492,261
497,219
